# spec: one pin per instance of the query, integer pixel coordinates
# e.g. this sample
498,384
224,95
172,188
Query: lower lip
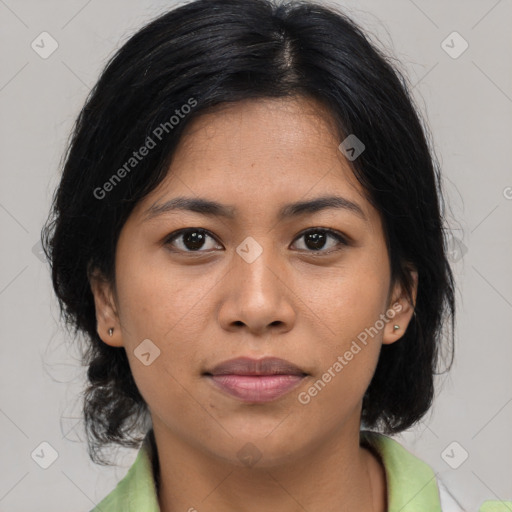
256,388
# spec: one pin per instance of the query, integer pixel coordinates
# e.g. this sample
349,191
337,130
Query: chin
261,449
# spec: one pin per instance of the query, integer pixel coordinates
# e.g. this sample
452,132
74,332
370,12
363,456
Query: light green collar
411,483
136,492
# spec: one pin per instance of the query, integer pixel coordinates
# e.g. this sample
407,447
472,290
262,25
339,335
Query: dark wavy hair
207,53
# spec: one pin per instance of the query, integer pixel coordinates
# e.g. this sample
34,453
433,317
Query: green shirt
411,483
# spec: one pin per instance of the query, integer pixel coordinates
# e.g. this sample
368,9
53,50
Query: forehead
260,151
261,129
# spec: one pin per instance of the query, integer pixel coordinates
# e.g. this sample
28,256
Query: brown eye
191,240
317,239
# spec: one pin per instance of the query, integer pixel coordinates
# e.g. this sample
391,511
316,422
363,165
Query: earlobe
400,313
107,319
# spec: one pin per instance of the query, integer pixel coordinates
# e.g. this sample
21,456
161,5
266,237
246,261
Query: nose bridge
257,296
254,266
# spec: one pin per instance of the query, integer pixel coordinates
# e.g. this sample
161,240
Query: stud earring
110,331
395,327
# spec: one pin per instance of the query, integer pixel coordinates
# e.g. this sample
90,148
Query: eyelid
343,239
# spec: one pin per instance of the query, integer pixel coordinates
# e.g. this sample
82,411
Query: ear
106,310
400,311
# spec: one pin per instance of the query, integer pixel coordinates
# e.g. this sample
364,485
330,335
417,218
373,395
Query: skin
293,302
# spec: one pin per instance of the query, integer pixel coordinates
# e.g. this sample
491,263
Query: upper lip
249,366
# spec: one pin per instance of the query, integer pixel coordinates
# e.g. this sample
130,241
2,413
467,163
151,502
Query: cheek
350,298
348,305
154,307
348,354
156,300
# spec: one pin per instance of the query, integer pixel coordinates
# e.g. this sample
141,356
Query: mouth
256,380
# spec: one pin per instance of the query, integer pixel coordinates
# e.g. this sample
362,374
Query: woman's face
254,284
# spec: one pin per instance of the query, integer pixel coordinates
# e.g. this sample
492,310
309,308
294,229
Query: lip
256,380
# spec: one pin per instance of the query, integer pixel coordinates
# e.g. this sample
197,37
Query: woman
248,231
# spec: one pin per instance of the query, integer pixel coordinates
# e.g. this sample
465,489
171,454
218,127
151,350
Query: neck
338,475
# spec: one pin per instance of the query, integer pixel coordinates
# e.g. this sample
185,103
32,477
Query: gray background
468,105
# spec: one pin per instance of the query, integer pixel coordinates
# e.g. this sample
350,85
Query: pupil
317,239
195,239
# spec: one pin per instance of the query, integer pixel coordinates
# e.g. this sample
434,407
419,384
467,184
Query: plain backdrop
466,99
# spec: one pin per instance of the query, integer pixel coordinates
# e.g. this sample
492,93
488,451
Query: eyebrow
214,209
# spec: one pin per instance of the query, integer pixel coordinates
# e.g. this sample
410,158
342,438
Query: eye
316,239
192,239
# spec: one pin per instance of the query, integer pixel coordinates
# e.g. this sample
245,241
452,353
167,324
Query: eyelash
340,238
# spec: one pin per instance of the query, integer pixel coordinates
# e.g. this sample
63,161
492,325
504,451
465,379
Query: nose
257,296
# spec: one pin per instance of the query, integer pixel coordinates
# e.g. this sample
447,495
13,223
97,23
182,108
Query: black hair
200,56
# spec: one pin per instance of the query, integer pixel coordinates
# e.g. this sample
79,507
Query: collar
411,483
